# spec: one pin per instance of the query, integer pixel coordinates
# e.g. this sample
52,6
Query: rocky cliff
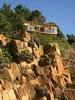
35,73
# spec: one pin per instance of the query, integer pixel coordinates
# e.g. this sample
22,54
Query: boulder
70,94
43,98
37,51
0,92
16,46
25,44
37,82
26,36
23,80
3,40
12,95
58,92
5,95
15,70
23,64
29,48
58,74
0,51
7,85
49,48
8,74
23,93
0,96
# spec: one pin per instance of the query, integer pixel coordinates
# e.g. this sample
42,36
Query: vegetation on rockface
44,39
36,39
5,56
26,56
44,61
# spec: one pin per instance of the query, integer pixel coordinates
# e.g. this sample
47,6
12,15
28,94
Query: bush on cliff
24,56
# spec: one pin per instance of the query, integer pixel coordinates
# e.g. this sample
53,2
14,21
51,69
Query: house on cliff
41,28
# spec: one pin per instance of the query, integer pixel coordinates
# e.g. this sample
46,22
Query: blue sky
62,12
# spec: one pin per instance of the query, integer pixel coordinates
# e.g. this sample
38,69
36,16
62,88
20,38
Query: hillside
67,50
30,71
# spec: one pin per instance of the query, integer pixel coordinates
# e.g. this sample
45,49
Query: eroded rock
37,73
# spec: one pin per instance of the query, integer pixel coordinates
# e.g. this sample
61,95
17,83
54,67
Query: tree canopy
71,38
37,16
14,19
22,12
5,25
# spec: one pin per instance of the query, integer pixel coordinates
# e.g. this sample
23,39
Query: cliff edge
35,72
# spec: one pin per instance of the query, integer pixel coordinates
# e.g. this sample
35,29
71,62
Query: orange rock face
3,39
36,73
59,74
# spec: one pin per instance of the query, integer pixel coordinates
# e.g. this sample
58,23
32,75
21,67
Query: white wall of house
47,30
53,30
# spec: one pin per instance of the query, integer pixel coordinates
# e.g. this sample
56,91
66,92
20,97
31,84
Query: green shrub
44,61
36,39
24,56
7,55
43,38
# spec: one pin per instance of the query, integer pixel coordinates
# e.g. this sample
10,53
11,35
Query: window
47,30
31,28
